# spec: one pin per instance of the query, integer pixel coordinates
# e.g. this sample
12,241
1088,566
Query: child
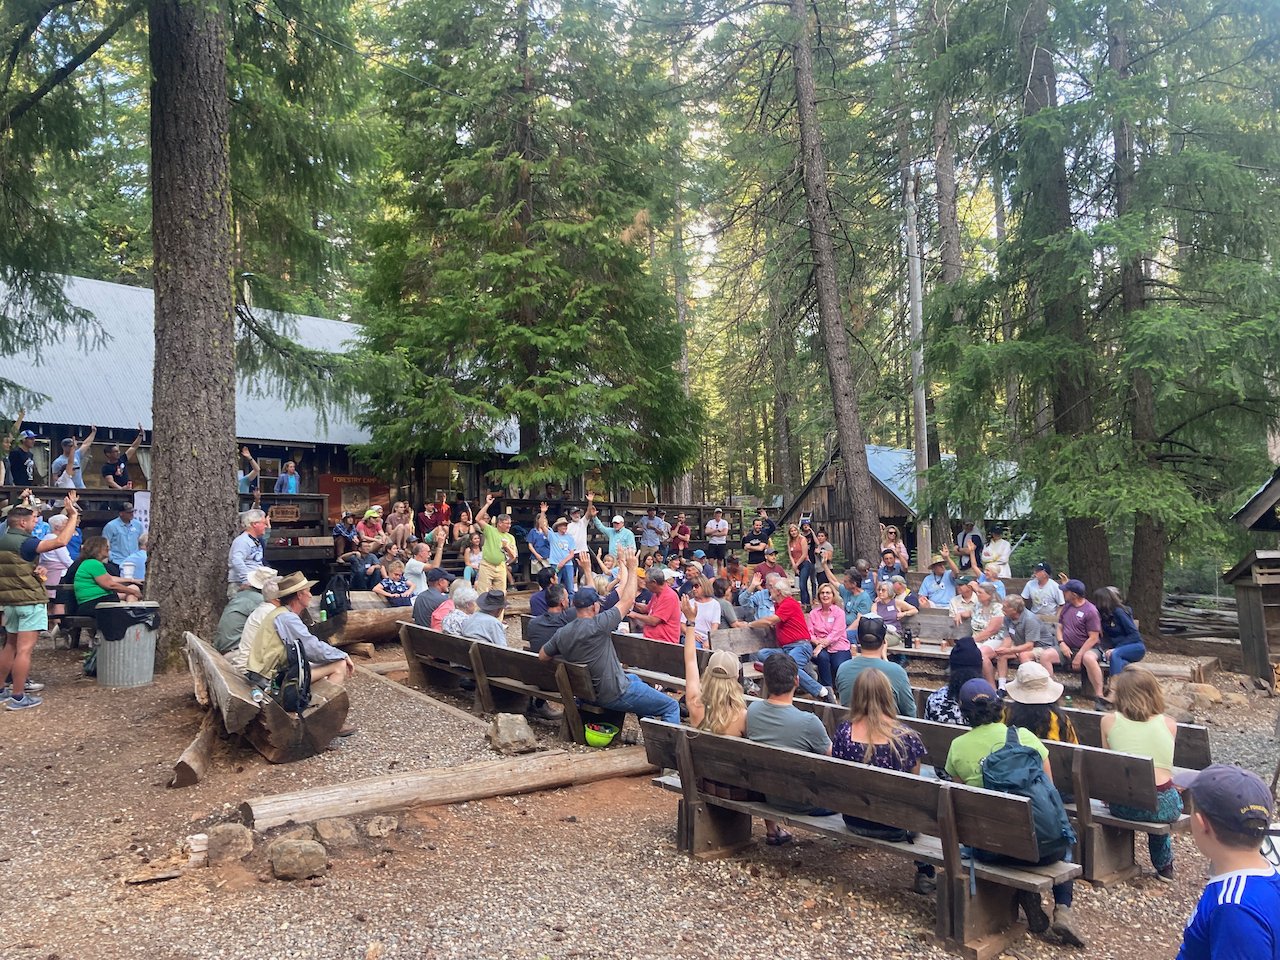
394,588
1238,916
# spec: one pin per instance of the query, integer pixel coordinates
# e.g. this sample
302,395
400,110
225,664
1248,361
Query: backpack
337,598
294,679
1019,770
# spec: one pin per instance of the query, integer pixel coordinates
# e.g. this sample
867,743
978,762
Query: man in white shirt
717,531
1042,593
415,568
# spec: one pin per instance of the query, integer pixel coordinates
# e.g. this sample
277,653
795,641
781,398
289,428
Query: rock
381,826
1178,701
338,832
1235,700
229,842
1179,715
296,859
1206,690
304,832
509,734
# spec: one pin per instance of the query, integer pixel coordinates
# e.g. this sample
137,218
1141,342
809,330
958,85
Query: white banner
142,508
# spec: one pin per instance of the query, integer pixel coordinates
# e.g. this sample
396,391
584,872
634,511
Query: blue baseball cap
976,691
700,554
585,598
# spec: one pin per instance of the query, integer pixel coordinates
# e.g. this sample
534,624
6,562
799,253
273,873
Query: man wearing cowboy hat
267,654
939,586
236,613
484,624
561,554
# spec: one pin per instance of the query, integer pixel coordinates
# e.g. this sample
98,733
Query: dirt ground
582,872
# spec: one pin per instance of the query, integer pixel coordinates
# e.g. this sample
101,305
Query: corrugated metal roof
109,383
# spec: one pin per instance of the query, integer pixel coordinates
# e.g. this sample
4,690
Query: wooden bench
977,922
430,653
655,661
279,736
65,594
1191,748
1094,777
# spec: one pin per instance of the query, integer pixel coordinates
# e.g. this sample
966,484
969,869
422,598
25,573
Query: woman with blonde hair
801,565
717,705
872,735
893,541
399,524
1140,727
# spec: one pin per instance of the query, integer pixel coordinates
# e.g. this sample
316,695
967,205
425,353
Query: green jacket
19,585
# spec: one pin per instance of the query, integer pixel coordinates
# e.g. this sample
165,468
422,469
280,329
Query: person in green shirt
983,710
498,549
93,584
236,613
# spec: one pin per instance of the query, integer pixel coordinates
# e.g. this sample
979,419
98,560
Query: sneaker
1165,873
33,687
1064,926
25,702
1037,919
5,694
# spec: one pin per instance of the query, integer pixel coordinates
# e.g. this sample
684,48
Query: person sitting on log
394,588
267,654
484,624
238,609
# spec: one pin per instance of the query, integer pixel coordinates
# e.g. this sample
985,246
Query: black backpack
294,679
337,598
1019,770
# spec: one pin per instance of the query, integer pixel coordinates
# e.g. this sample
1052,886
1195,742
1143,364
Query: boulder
304,832
229,842
1180,715
381,826
510,734
1235,700
297,859
1206,690
338,832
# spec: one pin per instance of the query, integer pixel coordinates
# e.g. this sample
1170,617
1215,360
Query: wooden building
1256,580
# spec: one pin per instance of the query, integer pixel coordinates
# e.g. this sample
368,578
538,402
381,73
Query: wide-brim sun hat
293,583
1033,684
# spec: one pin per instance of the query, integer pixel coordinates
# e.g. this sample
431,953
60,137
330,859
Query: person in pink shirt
662,621
830,638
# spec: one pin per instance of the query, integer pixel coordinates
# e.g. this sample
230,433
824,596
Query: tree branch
58,76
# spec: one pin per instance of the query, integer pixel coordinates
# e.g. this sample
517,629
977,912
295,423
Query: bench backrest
642,653
226,688
1191,747
435,645
1108,776
524,666
743,640
992,821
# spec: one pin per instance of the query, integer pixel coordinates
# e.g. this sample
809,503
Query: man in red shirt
792,631
662,621
680,535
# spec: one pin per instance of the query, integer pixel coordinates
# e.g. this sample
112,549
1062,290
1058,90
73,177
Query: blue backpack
1019,770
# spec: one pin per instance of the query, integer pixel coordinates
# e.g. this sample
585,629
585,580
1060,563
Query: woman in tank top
1140,727
892,610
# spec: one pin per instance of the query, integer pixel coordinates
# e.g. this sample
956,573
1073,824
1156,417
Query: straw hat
292,584
1033,684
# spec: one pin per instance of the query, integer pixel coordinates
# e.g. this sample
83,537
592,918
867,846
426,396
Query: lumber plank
194,762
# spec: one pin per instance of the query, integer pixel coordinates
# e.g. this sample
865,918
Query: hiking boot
348,731
924,884
25,702
1064,926
1165,873
1037,919
547,711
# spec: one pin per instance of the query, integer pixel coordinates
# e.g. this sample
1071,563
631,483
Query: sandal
778,839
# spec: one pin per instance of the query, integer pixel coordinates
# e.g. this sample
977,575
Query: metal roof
108,383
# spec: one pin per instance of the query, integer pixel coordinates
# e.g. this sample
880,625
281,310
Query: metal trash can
127,643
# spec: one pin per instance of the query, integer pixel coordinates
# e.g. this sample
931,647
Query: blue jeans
829,661
644,701
568,578
801,652
1168,809
804,573
1124,655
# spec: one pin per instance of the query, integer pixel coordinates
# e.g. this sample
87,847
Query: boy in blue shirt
1238,916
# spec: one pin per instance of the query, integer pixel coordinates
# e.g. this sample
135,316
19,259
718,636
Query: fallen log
390,666
369,620
473,781
362,649
191,766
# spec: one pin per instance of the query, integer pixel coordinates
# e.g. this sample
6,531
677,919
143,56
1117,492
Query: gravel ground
584,872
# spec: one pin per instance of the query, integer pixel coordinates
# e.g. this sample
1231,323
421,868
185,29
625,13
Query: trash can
127,643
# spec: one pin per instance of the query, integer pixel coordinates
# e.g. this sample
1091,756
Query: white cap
617,518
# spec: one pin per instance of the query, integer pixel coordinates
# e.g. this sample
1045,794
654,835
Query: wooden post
191,766
710,831
572,716
417,676
484,694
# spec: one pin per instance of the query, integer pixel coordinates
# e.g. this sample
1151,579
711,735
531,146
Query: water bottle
908,638
256,694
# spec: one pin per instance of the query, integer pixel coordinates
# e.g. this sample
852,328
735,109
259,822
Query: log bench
1191,749
279,736
1094,778
433,656
976,921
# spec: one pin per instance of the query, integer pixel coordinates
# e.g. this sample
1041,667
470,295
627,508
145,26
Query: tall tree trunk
783,351
530,430
1150,541
1011,399
194,383
835,335
679,280
1047,214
